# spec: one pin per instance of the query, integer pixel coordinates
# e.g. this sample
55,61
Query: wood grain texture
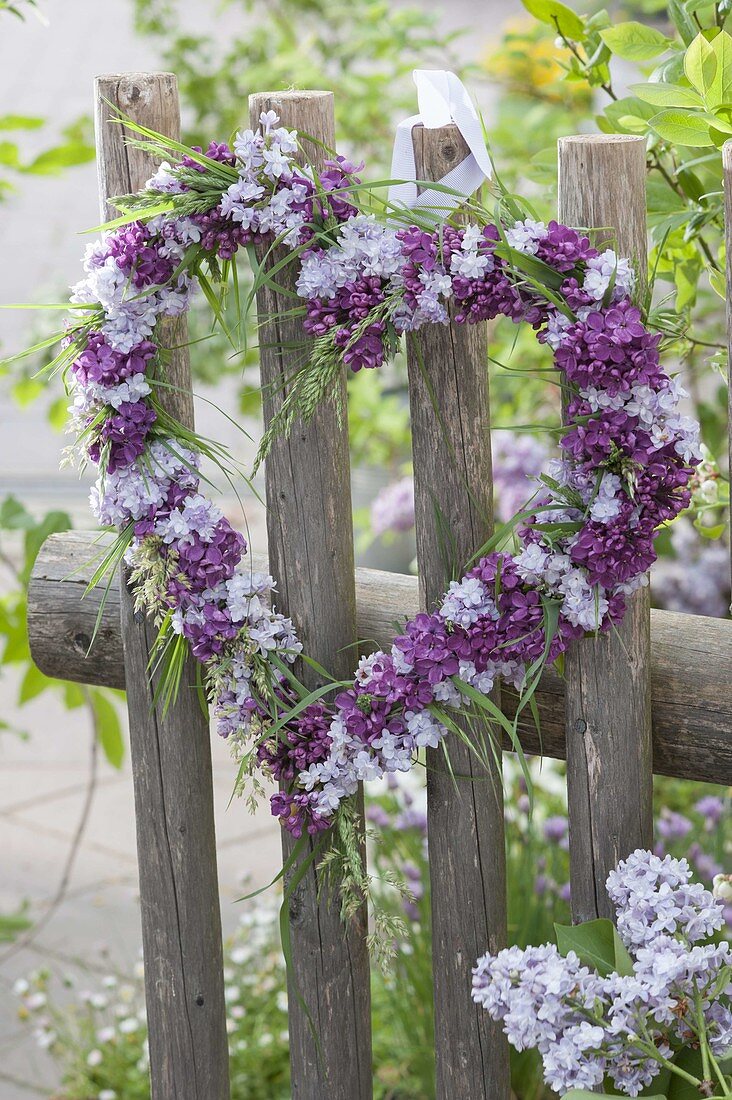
310,542
691,694
448,395
608,699
171,752
727,170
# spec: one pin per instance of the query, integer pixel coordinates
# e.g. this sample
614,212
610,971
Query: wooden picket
608,710
310,539
170,749
451,445
634,702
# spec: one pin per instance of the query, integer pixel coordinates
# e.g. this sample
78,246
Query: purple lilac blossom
393,507
518,459
695,580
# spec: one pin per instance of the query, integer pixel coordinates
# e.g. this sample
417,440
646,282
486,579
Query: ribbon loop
442,98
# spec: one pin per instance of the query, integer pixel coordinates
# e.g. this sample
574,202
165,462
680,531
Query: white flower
424,728
367,767
525,236
366,666
722,887
471,265
94,1058
600,272
608,500
276,162
164,180
268,119
44,1038
530,563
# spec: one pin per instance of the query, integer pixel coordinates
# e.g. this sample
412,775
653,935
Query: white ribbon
442,98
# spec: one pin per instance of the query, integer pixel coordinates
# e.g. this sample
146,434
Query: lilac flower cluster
673,831
696,579
518,461
625,1026
393,507
627,455
184,554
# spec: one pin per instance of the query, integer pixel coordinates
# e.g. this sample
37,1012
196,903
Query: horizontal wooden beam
691,672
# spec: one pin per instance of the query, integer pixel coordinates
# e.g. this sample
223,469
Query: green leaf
26,391
14,516
691,1062
12,924
714,532
628,115
634,41
682,20
34,683
20,122
60,157
58,413
700,65
597,944
667,95
718,283
73,696
720,90
557,15
9,154
681,128
108,728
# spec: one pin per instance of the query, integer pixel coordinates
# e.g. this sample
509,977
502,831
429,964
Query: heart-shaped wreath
581,546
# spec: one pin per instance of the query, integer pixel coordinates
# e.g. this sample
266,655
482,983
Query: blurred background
72,1020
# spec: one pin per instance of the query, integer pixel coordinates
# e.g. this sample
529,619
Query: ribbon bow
442,98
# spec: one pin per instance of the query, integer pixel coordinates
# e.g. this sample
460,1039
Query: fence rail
691,696
644,699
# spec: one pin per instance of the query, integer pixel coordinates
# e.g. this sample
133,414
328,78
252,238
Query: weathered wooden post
448,389
310,538
171,751
608,708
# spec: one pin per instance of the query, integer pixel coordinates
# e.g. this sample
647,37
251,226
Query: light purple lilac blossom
627,457
695,580
586,1026
393,507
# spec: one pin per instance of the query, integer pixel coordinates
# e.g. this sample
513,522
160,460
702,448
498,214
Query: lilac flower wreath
586,541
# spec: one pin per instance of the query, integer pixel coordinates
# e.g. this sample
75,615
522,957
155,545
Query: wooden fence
654,697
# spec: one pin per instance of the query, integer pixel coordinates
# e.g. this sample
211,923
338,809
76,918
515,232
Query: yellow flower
529,60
